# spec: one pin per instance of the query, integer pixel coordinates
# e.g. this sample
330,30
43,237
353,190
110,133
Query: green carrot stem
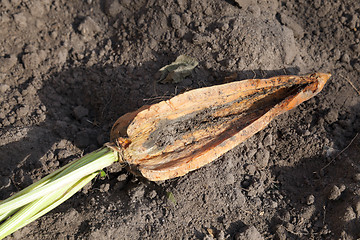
41,206
46,194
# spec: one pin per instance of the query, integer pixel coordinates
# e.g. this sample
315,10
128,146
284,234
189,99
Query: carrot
169,139
173,137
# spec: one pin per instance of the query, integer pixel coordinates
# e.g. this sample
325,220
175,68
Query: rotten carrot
169,139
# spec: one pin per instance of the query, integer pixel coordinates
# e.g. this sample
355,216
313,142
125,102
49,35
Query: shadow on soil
315,208
104,93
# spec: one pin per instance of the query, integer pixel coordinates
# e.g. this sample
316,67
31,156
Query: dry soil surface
69,69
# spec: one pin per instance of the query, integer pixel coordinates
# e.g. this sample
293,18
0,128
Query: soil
69,69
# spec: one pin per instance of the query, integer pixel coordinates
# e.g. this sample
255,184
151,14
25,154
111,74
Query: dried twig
352,85
324,207
333,160
164,97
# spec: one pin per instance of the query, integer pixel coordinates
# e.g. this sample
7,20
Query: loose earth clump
69,69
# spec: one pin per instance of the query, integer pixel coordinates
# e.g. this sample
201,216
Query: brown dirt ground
68,69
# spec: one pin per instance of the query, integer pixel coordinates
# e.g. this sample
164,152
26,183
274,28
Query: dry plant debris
178,70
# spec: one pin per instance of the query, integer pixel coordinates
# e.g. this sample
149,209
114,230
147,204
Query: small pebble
357,208
23,111
20,19
280,232
152,194
175,21
251,153
224,26
254,10
240,197
11,119
289,226
310,200
357,67
122,179
337,54
62,154
356,48
31,60
153,43
267,140
112,7
345,58
104,187
56,164
30,90
349,214
62,56
37,9
50,155
307,133
208,237
251,169
263,157
50,164
249,234
89,27
3,88
273,204
357,177
335,193
4,19
6,63
221,235
198,39
342,187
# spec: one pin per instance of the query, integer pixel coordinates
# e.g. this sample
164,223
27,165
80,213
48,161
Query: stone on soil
89,27
249,234
335,193
7,62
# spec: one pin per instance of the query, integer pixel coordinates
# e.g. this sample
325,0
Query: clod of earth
169,139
